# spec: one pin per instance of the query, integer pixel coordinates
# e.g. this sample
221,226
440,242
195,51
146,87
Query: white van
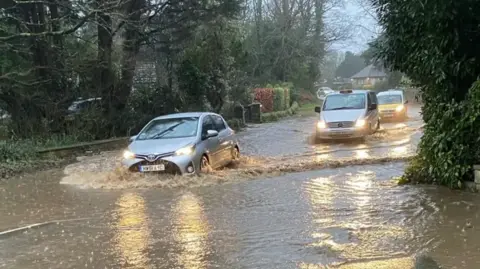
348,114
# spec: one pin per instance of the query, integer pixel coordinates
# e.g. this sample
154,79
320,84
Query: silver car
348,114
183,143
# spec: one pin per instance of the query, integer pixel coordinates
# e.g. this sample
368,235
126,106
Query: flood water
353,216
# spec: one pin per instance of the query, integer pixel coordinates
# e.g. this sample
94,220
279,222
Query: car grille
388,111
170,167
341,124
152,157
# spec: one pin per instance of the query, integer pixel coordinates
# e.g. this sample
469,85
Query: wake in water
104,171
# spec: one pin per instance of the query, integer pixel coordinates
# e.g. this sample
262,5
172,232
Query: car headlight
360,123
399,108
185,150
321,125
128,154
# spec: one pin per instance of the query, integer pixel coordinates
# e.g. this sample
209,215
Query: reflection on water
362,184
131,231
191,232
320,195
345,221
362,154
399,151
322,157
396,263
399,125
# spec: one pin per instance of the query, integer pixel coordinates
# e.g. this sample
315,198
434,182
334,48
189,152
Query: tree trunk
131,47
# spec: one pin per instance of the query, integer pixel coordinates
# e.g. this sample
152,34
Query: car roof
353,91
184,115
390,92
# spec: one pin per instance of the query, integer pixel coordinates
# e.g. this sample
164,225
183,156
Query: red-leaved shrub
265,97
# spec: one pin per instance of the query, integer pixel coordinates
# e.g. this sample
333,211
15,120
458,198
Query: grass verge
307,110
19,156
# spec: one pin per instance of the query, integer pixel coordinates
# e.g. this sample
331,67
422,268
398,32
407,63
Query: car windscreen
170,128
389,99
344,101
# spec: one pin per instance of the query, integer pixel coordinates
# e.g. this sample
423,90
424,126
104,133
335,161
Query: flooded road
293,137
353,217
350,216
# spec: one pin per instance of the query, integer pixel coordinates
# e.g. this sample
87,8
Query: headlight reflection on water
394,263
191,232
346,222
132,233
362,154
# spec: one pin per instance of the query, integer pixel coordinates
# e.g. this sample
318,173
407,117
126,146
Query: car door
224,138
212,145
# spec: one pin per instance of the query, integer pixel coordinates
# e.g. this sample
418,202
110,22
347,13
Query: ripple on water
349,213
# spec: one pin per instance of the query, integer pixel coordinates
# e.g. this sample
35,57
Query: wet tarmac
351,216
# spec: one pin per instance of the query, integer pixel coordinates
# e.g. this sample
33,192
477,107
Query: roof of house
370,72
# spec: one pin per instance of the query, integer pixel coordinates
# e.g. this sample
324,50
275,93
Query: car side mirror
406,101
317,109
373,106
210,133
132,138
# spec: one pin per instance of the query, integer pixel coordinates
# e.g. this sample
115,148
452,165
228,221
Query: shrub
279,99
287,97
273,116
13,151
448,158
265,97
235,124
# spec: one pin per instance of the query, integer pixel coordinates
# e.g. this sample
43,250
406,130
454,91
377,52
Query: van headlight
185,151
360,123
399,108
321,125
128,154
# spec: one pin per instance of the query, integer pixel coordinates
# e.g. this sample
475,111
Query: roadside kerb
81,148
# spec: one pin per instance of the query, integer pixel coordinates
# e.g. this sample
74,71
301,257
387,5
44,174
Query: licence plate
152,168
340,134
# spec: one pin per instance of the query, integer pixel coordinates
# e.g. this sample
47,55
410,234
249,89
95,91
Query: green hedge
287,97
279,99
273,116
450,145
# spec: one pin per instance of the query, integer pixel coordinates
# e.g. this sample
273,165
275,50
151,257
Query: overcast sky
361,21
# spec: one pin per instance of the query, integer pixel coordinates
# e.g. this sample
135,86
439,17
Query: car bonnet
342,115
160,146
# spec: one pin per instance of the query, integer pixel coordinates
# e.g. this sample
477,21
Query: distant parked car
83,104
322,92
182,143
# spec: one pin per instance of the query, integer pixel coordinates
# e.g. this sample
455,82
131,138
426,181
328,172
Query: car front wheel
235,154
205,166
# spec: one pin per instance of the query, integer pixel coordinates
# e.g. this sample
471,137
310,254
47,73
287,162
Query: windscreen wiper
344,107
169,129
